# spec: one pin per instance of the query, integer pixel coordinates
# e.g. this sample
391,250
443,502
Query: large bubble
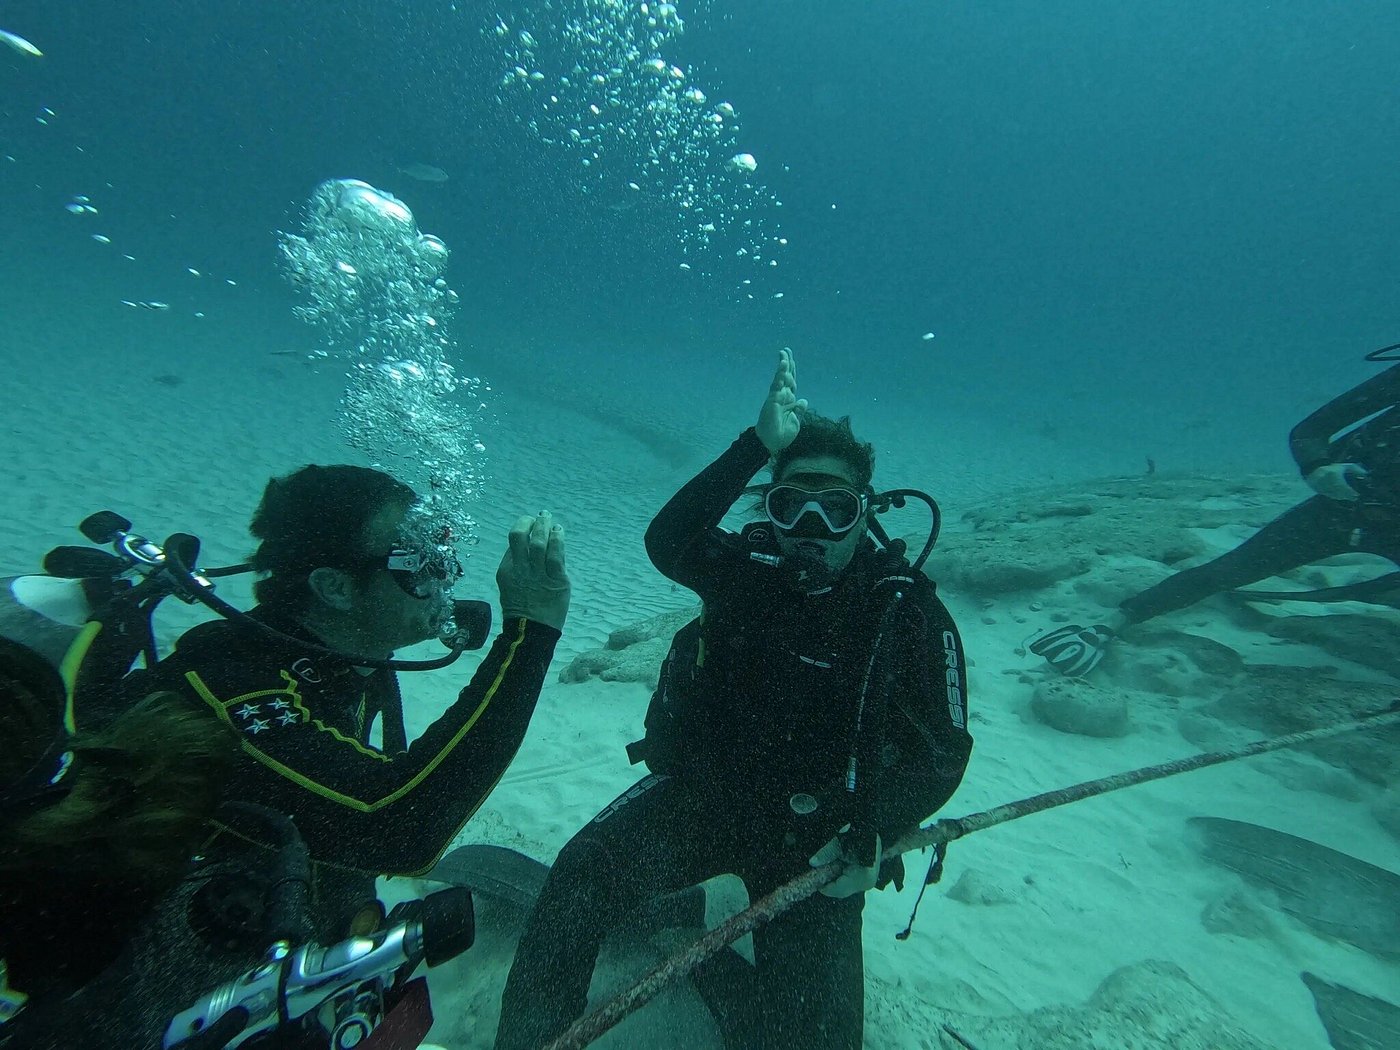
371,284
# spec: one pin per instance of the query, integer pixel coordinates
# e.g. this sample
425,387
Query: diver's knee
581,868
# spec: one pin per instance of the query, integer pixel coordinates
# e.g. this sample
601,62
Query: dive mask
827,514
422,574
423,561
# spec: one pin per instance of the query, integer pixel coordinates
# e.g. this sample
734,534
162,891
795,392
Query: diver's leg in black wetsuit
1380,533
1315,529
812,976
660,839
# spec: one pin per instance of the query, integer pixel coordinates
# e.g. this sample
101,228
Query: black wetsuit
1319,527
58,932
304,723
775,709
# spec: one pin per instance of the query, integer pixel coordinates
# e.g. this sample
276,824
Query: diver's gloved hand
780,418
860,850
1334,480
532,579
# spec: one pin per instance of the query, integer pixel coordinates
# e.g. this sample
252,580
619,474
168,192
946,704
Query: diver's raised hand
780,418
532,579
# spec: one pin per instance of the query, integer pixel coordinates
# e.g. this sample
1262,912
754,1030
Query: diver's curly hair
821,436
315,517
143,790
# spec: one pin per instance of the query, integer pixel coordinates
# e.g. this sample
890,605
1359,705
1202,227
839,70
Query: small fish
424,172
101,238
146,304
23,46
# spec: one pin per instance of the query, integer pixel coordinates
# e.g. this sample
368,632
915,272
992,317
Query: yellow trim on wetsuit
221,709
72,665
291,690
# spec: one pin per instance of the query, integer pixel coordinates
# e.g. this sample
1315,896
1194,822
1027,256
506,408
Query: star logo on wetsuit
258,725
280,705
247,711
286,718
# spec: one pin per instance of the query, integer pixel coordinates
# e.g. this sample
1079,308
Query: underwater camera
358,993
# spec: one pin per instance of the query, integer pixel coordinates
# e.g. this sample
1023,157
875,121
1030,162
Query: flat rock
1034,539
663,625
633,653
1239,914
1279,699
1330,892
1354,1021
979,888
1073,705
1151,1005
1362,639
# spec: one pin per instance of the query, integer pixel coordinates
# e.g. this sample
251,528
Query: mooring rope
589,1028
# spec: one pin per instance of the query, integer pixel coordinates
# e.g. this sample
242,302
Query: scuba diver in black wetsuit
815,711
353,569
94,829
1348,452
349,564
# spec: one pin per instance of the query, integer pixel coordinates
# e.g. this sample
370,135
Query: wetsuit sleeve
1311,440
926,724
365,808
683,540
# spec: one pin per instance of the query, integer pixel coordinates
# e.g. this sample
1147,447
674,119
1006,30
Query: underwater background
1145,229
1021,244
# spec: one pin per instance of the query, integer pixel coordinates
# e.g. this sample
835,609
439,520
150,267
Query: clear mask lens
423,560
834,511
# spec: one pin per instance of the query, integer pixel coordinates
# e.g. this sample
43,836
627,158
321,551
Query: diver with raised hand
813,713
353,567
1348,452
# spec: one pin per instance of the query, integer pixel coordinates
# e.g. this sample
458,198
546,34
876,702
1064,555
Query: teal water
1133,231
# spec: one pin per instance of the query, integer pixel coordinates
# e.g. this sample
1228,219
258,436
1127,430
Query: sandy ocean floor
1080,892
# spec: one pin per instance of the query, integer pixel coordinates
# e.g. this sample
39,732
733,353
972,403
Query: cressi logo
957,706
